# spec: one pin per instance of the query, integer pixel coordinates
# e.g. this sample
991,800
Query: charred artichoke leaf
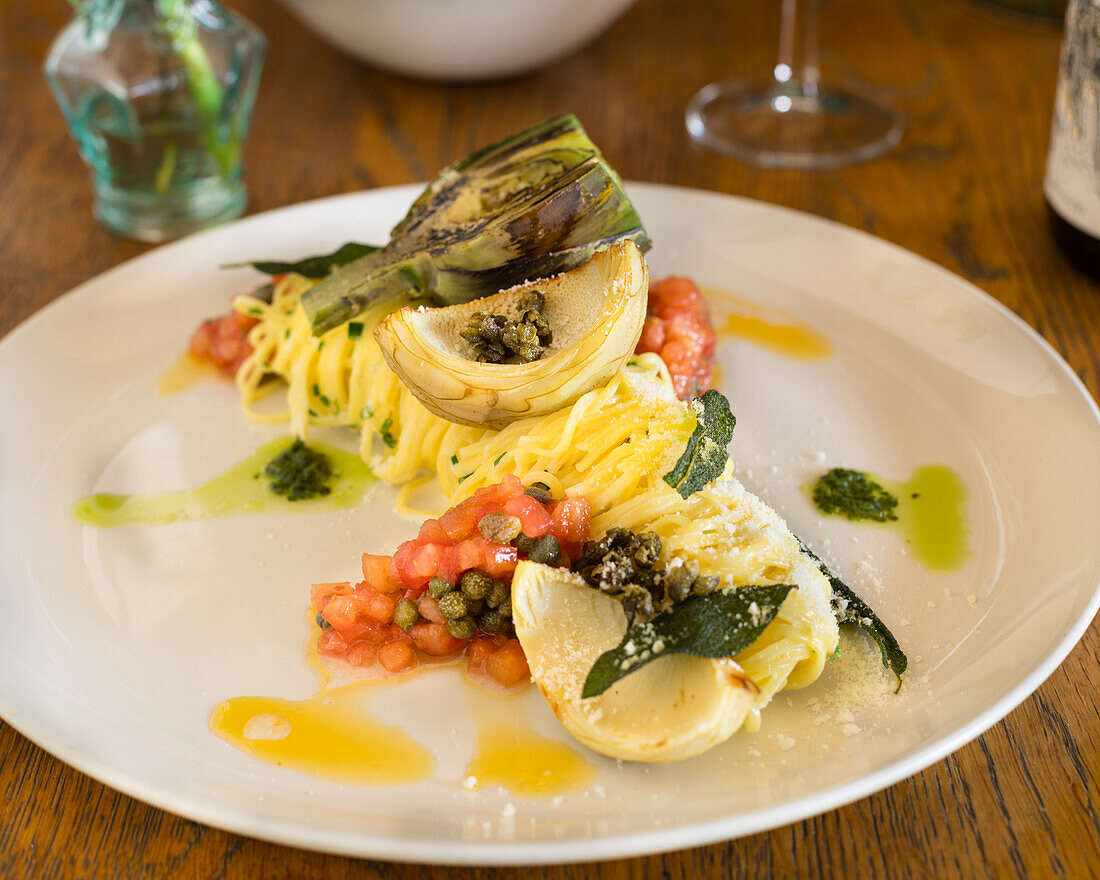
537,204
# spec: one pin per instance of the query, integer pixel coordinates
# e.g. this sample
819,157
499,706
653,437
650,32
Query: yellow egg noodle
613,446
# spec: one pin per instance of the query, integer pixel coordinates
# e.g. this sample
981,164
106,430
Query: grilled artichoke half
595,312
536,204
674,708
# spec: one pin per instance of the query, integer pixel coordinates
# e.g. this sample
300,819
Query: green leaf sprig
706,454
720,624
317,266
850,609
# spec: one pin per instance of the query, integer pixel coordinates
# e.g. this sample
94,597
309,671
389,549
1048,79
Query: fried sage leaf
718,625
850,609
317,266
706,454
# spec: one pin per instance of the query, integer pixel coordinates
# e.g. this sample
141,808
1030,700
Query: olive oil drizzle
241,489
510,754
770,328
186,372
331,735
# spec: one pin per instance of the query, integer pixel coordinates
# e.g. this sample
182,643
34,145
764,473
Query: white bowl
457,39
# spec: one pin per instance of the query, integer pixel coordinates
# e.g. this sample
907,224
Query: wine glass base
793,124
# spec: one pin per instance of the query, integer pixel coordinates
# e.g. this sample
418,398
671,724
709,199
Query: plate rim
621,845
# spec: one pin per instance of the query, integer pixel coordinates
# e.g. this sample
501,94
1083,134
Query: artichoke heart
536,204
672,709
595,312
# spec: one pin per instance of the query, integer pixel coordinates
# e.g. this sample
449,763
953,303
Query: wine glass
791,119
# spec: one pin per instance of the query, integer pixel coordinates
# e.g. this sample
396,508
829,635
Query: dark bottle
1072,183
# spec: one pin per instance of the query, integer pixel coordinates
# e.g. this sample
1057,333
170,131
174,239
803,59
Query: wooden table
963,189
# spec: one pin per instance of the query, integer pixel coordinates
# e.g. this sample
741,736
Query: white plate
115,645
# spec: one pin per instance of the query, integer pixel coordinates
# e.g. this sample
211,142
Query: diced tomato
402,554
397,656
498,560
320,593
534,519
676,294
572,519
679,329
431,533
461,521
508,487
508,665
341,611
468,554
362,630
433,638
653,334
422,565
375,569
393,577
448,566
332,643
478,651
429,609
362,654
224,341
377,606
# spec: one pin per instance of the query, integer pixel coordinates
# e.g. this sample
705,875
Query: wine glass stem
794,65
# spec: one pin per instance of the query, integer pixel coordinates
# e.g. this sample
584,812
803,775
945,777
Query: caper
498,593
504,609
648,549
533,300
541,495
523,544
438,587
495,338
475,584
461,627
453,605
406,615
321,622
547,550
678,582
475,606
500,528
705,585
492,622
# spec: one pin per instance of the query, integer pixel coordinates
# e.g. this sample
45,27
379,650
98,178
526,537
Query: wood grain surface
963,189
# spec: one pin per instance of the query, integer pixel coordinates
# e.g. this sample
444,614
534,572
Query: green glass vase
158,95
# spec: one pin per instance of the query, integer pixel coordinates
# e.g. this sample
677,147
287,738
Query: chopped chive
499,458
355,329
384,433
366,412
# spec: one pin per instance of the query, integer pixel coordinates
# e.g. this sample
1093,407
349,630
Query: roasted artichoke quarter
534,205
